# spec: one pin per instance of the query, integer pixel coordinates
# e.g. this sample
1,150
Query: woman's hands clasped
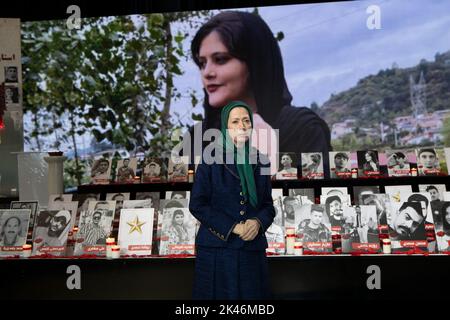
247,231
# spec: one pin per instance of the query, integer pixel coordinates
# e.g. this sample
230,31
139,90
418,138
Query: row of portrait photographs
154,170
14,227
392,163
419,226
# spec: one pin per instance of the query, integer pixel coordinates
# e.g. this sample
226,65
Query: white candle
115,252
191,176
354,173
414,172
290,240
26,250
298,248
109,243
386,246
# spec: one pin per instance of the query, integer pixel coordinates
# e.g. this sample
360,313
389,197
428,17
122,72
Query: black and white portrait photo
291,210
11,95
314,229
275,233
312,165
32,205
100,170
178,168
14,225
11,74
51,231
287,168
340,165
398,162
126,170
153,170
178,232
368,163
94,227
407,227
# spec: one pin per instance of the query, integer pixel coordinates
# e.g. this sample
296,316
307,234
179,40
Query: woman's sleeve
266,214
218,223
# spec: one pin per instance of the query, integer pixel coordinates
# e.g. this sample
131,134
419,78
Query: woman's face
179,219
368,157
224,77
239,125
12,228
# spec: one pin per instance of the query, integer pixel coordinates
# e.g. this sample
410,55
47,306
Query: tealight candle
386,246
290,240
298,248
115,252
26,250
191,176
109,243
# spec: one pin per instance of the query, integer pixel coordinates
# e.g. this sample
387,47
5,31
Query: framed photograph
136,231
275,233
94,227
314,229
340,165
368,163
126,170
178,232
360,230
101,171
14,225
287,168
51,231
312,165
11,95
291,210
404,234
33,206
154,170
399,162
178,169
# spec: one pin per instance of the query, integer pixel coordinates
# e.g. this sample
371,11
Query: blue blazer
218,203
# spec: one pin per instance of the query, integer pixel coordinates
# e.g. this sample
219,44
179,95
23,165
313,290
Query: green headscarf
244,167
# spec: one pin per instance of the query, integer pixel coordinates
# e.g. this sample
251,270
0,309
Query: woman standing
239,59
233,202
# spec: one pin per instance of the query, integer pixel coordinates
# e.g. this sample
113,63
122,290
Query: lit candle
354,173
115,252
26,250
290,240
191,176
298,248
414,172
109,243
386,246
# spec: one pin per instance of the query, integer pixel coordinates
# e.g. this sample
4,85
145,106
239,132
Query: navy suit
218,203
226,266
